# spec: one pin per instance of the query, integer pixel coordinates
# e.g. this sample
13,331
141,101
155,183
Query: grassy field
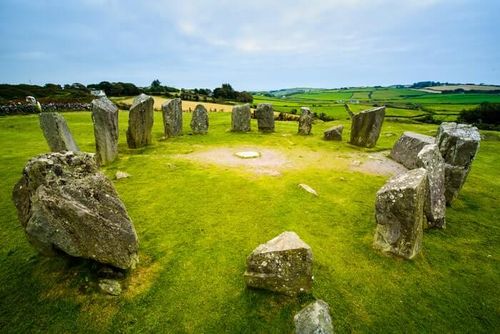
197,223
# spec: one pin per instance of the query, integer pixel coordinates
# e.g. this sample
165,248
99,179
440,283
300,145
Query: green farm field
197,221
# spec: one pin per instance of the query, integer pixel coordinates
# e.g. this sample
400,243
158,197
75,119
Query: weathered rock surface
105,118
56,132
64,203
305,121
308,188
121,175
199,120
366,127
265,117
458,144
406,149
240,118
110,286
399,211
333,133
172,117
435,205
314,319
140,121
283,265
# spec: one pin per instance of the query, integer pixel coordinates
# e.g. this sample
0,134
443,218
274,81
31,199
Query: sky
253,45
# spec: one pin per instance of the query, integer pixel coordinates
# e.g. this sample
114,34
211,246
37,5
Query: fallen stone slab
305,121
314,319
430,158
65,204
56,132
265,117
172,117
406,149
399,212
140,122
105,118
199,120
283,265
366,127
240,118
334,133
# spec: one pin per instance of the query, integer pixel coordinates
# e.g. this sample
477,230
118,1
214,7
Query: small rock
110,286
247,154
308,189
334,133
314,319
121,175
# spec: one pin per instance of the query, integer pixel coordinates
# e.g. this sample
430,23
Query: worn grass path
197,223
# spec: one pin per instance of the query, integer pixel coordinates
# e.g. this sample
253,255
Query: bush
486,115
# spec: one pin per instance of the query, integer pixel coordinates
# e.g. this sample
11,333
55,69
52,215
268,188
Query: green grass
197,223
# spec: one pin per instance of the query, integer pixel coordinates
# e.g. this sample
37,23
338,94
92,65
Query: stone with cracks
199,120
265,117
435,205
314,319
366,127
240,118
305,121
140,121
105,118
172,117
334,133
65,204
399,212
406,149
283,265
458,144
56,132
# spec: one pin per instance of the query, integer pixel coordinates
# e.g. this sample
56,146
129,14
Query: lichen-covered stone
199,120
65,204
406,149
140,121
283,265
110,286
430,158
105,118
334,133
172,117
305,121
458,144
265,117
399,212
240,118
366,127
56,132
314,319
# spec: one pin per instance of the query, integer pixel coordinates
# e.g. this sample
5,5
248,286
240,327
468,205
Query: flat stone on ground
247,155
314,319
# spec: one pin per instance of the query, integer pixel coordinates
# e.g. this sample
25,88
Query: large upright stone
334,133
366,127
305,121
406,149
458,144
314,319
172,117
140,121
430,158
199,120
283,264
56,132
105,118
265,117
240,118
65,204
399,211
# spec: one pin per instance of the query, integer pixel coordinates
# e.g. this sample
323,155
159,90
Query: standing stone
172,117
399,211
199,120
56,132
314,319
105,118
140,121
305,121
283,265
435,205
265,117
240,118
406,149
65,204
458,144
334,133
366,127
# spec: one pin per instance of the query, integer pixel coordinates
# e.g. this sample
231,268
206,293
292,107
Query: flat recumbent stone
247,155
